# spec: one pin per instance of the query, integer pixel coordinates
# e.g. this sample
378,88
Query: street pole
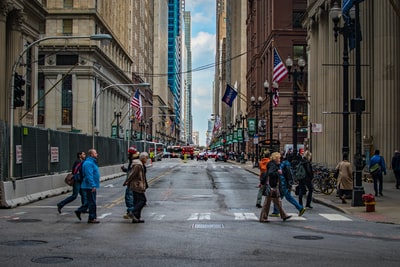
359,107
256,105
95,37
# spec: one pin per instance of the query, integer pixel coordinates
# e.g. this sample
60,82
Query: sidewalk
387,207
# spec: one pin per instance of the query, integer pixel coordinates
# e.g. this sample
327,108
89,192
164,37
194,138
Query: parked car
221,156
211,154
202,156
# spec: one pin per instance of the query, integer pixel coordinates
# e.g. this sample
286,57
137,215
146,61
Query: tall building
187,86
378,83
175,61
275,24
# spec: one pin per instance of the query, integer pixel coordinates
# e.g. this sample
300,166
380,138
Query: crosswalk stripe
245,216
334,217
199,216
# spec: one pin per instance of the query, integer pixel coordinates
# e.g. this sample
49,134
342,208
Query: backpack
300,172
287,173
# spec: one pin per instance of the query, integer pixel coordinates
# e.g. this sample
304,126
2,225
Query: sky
203,53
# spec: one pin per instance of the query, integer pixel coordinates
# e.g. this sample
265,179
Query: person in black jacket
306,185
272,188
76,187
396,167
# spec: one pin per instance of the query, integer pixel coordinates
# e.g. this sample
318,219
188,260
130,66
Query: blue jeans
76,189
378,183
129,200
288,196
91,204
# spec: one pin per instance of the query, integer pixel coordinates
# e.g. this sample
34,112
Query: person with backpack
304,174
272,185
377,168
76,187
263,170
286,187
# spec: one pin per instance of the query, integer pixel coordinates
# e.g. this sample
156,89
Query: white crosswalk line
193,216
199,216
295,217
239,216
334,217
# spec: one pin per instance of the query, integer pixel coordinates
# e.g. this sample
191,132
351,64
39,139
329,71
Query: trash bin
369,202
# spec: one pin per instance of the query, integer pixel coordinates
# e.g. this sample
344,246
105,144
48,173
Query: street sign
316,127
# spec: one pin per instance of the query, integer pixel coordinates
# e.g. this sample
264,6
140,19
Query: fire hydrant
369,201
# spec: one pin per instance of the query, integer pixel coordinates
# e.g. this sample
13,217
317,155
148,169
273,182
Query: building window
68,3
299,51
66,100
41,103
28,79
67,26
67,59
297,18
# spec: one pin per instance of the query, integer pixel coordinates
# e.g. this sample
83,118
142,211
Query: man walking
396,167
90,183
137,183
377,168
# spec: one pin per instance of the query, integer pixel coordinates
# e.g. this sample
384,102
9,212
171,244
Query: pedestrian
377,168
396,167
137,183
90,184
132,155
76,187
286,187
345,178
272,189
305,184
263,169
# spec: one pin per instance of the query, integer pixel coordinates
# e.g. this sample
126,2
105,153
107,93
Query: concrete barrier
24,191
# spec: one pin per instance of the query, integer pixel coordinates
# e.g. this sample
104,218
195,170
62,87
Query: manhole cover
52,260
24,220
207,226
24,242
308,237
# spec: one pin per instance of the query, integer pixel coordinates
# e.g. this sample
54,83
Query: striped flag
280,71
136,103
275,97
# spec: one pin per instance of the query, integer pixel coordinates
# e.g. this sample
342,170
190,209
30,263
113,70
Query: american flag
280,72
136,102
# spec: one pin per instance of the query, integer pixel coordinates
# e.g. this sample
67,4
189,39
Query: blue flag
229,96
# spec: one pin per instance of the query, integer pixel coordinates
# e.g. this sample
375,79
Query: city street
199,213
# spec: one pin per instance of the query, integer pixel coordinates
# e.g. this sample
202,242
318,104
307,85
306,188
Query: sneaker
93,221
78,215
301,212
275,215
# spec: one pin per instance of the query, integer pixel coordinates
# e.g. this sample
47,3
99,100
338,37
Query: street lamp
101,92
270,94
95,37
243,117
297,76
351,26
257,106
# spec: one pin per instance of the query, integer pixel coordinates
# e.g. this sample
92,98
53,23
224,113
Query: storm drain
308,237
24,220
16,243
207,226
52,260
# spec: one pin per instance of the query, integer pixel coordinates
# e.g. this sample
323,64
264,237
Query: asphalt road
198,214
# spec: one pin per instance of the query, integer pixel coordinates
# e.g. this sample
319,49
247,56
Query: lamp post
95,37
243,117
270,94
257,106
297,76
351,25
101,92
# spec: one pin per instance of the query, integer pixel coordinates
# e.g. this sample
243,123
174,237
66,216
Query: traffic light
18,91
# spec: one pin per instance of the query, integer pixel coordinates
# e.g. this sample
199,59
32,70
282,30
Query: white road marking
199,216
109,185
245,216
104,215
295,217
334,217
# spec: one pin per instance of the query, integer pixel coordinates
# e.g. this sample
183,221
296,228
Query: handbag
267,190
69,179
